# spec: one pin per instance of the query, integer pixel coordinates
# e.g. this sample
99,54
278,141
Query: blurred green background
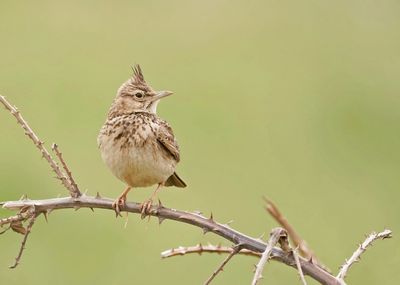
298,101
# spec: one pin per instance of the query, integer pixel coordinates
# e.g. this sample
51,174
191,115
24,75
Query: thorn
92,209
49,211
311,259
24,197
126,221
76,208
211,217
98,196
45,216
205,230
160,205
160,219
54,146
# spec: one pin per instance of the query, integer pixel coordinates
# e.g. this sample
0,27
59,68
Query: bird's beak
161,94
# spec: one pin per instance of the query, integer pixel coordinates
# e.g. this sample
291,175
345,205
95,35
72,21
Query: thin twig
296,258
200,249
234,251
21,249
13,219
39,144
360,250
70,178
161,212
274,238
284,243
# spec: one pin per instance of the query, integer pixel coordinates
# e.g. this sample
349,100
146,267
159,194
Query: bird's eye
139,95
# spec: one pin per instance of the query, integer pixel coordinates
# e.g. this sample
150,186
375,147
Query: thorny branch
27,232
40,145
298,265
200,249
71,181
272,241
162,213
360,250
234,251
29,210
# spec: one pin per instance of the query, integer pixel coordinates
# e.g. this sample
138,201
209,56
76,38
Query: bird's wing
166,139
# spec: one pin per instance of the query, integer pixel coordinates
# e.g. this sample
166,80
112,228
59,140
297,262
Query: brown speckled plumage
139,147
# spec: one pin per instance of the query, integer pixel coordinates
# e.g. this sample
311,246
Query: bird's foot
118,204
145,208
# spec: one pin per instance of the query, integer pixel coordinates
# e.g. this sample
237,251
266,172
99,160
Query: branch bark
161,212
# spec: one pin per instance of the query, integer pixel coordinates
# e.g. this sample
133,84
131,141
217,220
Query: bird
137,145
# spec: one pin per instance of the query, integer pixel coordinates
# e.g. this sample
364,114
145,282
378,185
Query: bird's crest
137,74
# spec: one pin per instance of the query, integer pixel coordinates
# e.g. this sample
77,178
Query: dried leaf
18,227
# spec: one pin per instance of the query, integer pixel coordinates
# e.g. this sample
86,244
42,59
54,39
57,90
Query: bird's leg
146,205
120,201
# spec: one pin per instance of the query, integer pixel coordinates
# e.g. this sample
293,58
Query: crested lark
138,146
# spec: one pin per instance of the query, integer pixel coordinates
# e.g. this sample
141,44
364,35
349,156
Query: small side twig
14,219
234,251
360,250
274,238
301,274
284,243
40,145
70,178
27,232
199,249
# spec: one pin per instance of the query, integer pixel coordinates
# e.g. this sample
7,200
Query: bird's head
135,95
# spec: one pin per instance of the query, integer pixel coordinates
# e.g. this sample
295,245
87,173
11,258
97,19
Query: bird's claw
118,204
145,208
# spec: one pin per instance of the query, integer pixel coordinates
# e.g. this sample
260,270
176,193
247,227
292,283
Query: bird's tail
175,180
